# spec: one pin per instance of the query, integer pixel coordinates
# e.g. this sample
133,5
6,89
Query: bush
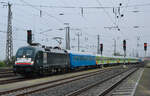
2,64
8,63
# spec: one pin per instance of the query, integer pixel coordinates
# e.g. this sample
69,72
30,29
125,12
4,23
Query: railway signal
101,48
124,45
124,49
29,37
145,48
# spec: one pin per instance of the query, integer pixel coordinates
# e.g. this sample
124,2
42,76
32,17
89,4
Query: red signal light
29,36
145,46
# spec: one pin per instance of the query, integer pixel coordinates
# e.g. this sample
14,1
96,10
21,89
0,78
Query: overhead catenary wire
98,1
63,2
65,7
43,20
85,7
15,28
40,6
93,8
57,19
70,7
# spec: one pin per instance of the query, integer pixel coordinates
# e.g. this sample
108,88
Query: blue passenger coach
81,60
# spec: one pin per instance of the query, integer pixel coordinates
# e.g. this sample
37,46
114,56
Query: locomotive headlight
15,62
32,62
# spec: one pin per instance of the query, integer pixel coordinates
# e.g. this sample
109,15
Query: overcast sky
91,22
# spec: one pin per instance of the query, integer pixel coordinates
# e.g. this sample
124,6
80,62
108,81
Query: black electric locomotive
38,60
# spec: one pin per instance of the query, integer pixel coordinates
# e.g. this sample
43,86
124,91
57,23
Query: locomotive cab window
20,52
27,52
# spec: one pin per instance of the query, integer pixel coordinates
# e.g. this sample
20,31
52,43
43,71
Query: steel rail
58,82
77,92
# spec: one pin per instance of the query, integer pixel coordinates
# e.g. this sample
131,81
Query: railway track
23,91
118,82
6,72
12,80
128,86
5,69
39,87
7,75
106,82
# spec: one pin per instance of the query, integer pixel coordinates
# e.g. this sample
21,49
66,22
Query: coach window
75,58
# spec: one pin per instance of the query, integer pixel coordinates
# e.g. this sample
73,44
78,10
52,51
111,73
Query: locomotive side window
39,57
44,57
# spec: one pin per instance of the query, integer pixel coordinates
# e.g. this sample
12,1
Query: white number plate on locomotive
23,59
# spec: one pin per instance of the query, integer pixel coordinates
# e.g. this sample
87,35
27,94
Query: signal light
145,46
29,36
124,45
101,48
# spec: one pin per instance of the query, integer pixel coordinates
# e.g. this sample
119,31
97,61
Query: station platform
143,87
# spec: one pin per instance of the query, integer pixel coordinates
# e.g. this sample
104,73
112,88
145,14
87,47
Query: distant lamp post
67,36
114,47
138,39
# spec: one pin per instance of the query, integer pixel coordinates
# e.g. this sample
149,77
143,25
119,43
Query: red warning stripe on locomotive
23,63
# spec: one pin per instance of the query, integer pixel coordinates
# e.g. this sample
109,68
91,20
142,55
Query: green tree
10,63
2,64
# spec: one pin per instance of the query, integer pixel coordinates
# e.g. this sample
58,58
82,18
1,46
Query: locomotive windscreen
25,52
